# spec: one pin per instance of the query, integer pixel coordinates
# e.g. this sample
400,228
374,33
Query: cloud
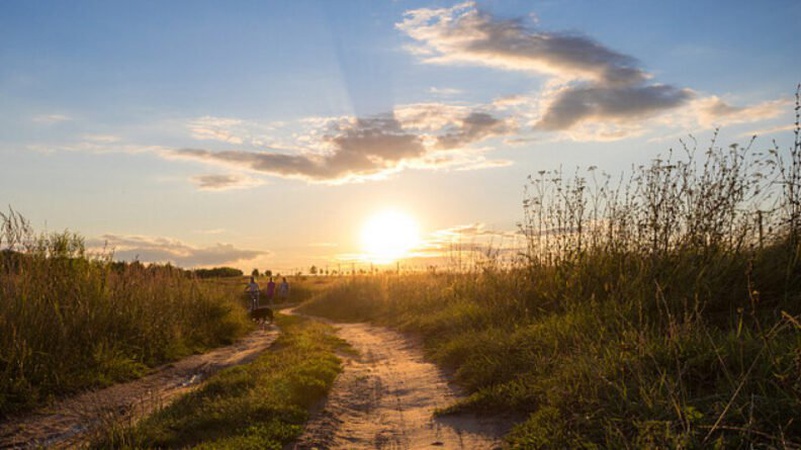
355,149
467,245
215,128
163,250
474,127
463,34
212,182
369,147
99,145
101,138
49,119
445,92
573,105
712,111
591,91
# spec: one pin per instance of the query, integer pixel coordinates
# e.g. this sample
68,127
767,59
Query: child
253,289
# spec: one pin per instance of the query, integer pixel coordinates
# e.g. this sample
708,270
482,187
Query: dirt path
386,397
71,422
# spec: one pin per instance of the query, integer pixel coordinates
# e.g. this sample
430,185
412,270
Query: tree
255,273
218,272
268,273
313,270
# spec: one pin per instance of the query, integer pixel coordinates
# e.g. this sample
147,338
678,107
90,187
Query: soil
386,398
72,422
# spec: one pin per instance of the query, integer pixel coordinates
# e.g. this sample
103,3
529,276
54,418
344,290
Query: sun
388,236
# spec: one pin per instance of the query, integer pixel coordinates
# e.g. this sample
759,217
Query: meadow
72,321
659,309
656,309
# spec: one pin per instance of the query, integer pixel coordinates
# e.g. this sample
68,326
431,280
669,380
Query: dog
261,314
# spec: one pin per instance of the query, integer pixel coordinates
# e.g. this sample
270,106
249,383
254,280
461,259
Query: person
283,289
253,289
270,291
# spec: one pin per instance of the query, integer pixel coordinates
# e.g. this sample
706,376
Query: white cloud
445,92
713,111
215,128
49,119
101,138
163,250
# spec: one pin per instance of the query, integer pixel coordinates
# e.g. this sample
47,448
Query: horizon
269,135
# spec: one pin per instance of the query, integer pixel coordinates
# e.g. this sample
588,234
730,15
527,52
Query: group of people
254,290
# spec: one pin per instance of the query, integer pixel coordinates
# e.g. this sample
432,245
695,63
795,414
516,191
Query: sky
267,134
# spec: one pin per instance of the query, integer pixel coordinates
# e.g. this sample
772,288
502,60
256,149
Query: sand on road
386,398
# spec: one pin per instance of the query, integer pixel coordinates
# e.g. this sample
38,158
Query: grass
73,321
660,312
261,405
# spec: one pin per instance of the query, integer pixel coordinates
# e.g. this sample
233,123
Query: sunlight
388,236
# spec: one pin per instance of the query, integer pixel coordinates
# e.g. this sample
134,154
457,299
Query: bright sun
389,236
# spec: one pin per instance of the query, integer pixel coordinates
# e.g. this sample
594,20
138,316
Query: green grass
261,405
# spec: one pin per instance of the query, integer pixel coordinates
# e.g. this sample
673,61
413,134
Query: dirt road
73,421
386,398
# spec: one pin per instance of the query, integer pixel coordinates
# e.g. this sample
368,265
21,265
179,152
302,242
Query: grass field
660,312
73,321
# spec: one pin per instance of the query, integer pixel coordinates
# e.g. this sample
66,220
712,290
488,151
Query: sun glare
389,236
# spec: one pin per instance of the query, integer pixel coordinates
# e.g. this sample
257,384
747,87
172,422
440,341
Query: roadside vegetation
659,311
72,321
261,405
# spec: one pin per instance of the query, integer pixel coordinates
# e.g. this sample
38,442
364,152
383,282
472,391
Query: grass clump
660,312
261,405
73,321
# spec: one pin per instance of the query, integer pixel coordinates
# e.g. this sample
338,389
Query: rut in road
71,422
386,398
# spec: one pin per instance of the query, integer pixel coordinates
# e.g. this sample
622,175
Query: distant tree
268,273
218,272
313,270
255,273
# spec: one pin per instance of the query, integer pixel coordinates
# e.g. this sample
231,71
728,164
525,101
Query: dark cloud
574,105
213,182
474,127
355,149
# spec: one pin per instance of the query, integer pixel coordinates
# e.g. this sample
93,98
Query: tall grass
659,311
72,321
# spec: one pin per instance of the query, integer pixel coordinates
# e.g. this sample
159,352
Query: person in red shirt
270,291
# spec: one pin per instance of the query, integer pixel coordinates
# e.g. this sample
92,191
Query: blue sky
265,134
